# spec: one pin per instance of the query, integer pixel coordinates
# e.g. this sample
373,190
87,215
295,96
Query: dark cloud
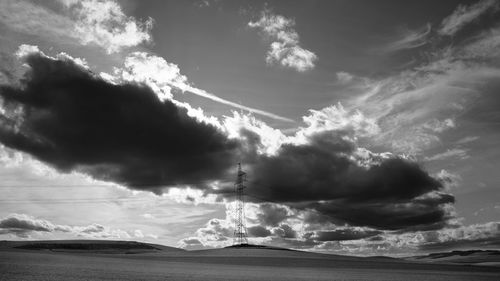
73,120
321,170
344,234
258,231
400,215
285,231
321,177
66,116
272,214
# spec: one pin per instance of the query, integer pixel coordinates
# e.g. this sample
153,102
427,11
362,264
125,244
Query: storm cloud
321,176
71,119
66,116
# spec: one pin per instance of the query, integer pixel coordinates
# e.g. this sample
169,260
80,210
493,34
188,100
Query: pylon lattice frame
240,230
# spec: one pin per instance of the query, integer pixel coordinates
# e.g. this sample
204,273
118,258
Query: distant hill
472,257
101,246
252,246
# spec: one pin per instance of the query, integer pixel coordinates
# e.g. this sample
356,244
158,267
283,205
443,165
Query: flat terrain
104,260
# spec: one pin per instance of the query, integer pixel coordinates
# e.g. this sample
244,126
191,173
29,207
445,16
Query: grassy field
106,262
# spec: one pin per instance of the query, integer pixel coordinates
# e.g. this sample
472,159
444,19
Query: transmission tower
240,230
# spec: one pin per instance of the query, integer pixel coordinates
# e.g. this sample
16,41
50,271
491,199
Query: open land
120,260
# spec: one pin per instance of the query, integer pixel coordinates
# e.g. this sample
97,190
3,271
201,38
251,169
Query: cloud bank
24,226
74,120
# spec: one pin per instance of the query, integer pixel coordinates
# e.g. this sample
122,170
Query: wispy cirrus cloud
410,39
89,22
414,107
464,15
455,152
285,46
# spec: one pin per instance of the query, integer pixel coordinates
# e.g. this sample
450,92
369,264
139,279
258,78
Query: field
128,261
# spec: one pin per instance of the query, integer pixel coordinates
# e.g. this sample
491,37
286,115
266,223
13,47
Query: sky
364,127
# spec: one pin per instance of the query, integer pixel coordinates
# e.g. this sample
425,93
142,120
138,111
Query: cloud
324,175
114,132
96,22
440,126
467,139
285,231
258,231
344,77
448,179
272,214
284,49
476,236
345,234
34,19
417,106
215,233
103,22
413,108
464,15
454,152
336,118
22,225
134,138
411,39
164,77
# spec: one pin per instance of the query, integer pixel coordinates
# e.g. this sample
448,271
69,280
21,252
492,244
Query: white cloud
466,233
416,106
98,22
449,180
455,152
410,39
148,216
189,195
440,126
467,139
336,118
153,71
464,15
22,225
103,22
344,77
270,139
163,77
284,48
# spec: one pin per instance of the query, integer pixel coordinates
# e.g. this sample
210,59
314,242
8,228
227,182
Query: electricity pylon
240,230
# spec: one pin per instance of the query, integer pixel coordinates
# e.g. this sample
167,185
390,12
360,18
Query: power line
110,199
159,185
